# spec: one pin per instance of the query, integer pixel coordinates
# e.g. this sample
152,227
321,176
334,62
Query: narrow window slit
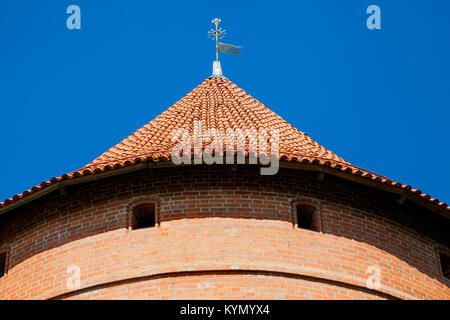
307,217
3,256
445,264
143,216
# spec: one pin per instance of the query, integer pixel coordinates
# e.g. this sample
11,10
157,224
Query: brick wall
223,234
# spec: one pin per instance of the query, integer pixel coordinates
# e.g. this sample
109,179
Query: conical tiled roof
218,103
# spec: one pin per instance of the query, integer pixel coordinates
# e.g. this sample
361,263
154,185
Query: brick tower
134,224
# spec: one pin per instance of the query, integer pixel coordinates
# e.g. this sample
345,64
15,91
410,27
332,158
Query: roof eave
401,193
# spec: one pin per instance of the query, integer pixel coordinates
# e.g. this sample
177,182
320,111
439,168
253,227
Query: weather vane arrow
216,34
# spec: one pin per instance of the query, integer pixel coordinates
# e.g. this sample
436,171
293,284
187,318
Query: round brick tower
136,224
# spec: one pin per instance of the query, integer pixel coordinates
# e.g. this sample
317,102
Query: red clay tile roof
217,103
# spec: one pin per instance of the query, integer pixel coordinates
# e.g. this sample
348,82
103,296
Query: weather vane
219,33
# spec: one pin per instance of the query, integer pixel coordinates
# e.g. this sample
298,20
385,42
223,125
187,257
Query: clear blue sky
378,98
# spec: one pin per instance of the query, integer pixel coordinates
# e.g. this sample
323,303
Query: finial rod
217,34
216,21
